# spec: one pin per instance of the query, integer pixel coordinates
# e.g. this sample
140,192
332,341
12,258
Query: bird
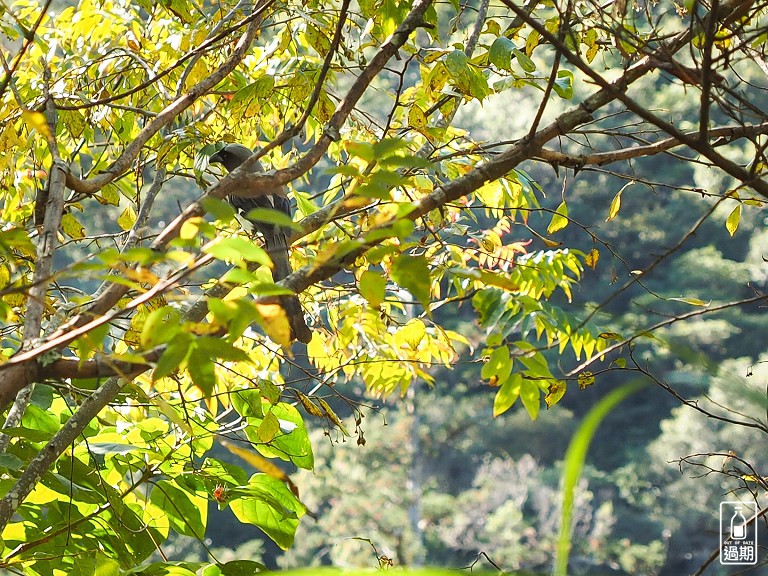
275,236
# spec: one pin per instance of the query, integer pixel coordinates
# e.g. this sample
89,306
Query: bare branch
717,136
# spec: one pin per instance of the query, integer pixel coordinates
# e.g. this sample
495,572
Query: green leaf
304,203
500,53
412,273
499,365
187,512
201,369
172,356
236,250
240,568
507,394
40,420
248,403
530,394
274,217
292,444
10,461
563,85
271,514
373,286
525,62
559,219
221,349
732,222
160,327
457,65
95,564
219,209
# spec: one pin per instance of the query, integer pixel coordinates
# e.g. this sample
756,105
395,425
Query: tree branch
722,135
46,247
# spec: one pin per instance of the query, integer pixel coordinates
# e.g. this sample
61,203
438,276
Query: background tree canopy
517,204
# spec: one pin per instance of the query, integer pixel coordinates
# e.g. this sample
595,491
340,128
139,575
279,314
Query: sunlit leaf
412,273
271,506
507,394
262,464
72,227
732,222
592,258
37,121
555,392
559,219
416,118
274,320
691,301
373,287
530,394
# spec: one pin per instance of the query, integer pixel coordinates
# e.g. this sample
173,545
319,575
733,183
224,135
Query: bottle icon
738,525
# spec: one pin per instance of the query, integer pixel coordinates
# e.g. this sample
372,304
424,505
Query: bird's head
231,156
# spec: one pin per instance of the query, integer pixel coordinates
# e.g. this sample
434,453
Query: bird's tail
277,246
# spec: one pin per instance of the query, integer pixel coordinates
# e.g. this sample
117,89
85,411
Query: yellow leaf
615,205
732,223
691,301
127,219
275,323
191,228
5,276
531,42
309,406
609,336
585,379
269,428
592,258
71,227
333,417
555,392
37,121
416,118
559,219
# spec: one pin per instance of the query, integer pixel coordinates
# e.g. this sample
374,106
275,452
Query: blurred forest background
439,481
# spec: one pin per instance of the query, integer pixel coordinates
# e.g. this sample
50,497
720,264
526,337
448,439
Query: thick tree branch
717,136
46,247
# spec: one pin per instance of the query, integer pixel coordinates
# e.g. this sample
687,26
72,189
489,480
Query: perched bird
275,237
